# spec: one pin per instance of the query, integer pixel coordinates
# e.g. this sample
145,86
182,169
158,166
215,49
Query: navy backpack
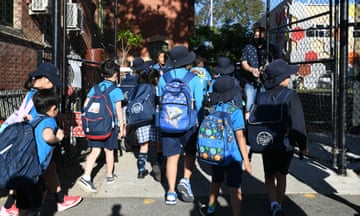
98,117
141,105
267,122
19,162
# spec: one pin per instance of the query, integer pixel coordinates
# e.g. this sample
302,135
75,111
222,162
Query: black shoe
142,174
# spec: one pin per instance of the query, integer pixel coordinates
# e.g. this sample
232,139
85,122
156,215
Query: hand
305,151
255,72
60,134
248,167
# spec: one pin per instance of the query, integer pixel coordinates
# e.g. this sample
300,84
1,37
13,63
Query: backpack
267,122
98,117
217,144
19,161
177,113
141,105
127,87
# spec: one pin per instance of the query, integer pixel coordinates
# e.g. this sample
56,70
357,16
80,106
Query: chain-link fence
307,32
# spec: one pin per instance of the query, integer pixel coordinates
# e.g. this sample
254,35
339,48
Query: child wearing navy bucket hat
224,91
276,163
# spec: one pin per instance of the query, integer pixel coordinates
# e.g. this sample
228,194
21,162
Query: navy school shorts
172,144
274,162
110,143
233,173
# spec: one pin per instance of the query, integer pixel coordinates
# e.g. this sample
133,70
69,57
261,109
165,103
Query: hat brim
224,97
290,70
180,62
54,79
227,70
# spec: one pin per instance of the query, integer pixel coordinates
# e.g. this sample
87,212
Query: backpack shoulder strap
35,123
167,77
109,89
283,95
188,77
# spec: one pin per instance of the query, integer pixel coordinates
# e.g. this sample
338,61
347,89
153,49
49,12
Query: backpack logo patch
173,115
137,108
264,138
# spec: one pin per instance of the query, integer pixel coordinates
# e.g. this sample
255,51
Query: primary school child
44,77
224,92
47,136
276,163
110,71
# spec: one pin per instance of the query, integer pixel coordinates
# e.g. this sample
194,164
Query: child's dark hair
154,76
44,99
143,78
108,68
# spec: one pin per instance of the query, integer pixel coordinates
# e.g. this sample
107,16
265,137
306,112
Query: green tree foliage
244,12
228,40
127,40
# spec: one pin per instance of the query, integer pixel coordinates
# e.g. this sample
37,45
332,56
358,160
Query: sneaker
276,211
142,174
69,202
171,198
211,209
88,186
111,179
206,210
13,211
184,188
156,171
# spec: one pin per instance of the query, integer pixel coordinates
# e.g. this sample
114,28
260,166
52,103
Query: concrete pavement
306,176
311,185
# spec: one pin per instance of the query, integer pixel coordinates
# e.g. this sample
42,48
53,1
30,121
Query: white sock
87,178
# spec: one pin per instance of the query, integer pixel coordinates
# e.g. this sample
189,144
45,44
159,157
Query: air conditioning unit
74,18
40,7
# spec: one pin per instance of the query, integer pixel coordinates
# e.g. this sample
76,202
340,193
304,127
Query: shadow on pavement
313,174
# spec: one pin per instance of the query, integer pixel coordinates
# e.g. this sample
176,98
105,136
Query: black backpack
141,105
19,162
267,124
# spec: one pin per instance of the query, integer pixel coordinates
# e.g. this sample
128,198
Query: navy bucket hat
224,89
179,56
224,66
277,71
49,71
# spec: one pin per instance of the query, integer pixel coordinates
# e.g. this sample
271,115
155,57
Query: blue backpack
267,122
177,112
217,144
19,161
141,106
98,117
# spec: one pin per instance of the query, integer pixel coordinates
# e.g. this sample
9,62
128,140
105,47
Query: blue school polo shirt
45,150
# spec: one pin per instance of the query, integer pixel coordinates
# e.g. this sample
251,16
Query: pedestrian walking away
278,155
110,71
180,60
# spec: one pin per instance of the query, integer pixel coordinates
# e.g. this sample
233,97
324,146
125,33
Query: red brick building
26,31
